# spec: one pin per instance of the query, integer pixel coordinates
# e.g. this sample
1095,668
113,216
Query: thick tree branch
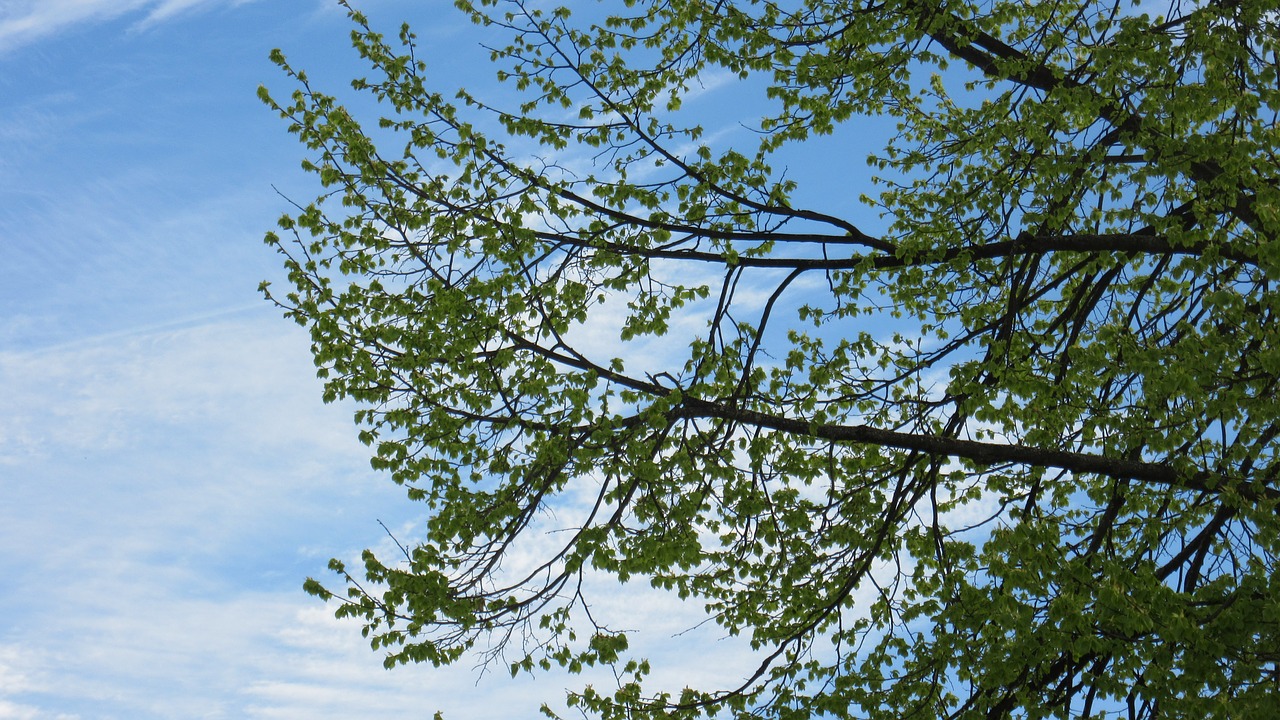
987,453
1144,243
992,57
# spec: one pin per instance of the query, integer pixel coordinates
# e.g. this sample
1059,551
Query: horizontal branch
982,453
1143,243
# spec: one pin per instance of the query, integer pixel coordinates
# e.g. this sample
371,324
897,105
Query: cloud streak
23,22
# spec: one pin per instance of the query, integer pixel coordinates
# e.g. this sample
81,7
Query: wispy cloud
157,488
168,489
25,21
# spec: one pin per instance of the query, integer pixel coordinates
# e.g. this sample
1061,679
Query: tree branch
987,453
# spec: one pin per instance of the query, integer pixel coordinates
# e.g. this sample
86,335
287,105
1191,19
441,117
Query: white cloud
24,21
157,488
15,670
167,490
14,711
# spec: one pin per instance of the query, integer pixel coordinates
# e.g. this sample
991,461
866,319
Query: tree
996,439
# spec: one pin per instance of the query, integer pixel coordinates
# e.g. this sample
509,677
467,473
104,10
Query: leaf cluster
1011,455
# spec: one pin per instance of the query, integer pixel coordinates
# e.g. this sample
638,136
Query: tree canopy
975,418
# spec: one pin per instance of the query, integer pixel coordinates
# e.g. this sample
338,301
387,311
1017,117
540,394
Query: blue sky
168,475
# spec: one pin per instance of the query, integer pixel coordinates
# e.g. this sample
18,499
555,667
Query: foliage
997,441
